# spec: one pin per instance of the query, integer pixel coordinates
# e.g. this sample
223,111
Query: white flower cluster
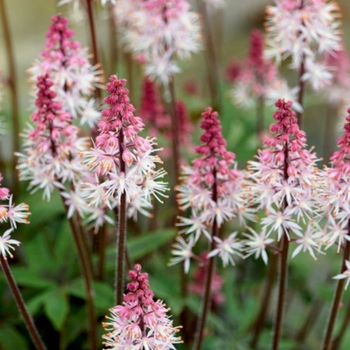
159,32
305,31
68,66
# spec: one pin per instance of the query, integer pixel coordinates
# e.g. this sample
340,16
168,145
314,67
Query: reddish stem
28,320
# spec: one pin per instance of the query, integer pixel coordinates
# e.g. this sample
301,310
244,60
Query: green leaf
145,244
29,278
104,294
11,339
57,308
36,302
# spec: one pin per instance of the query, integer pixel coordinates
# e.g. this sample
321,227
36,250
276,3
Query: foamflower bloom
345,274
305,31
336,193
158,33
215,170
74,78
122,160
140,323
258,78
13,215
286,185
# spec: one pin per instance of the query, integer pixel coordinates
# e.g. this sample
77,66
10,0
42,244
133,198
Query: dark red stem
28,320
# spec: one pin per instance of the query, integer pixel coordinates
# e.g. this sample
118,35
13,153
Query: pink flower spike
74,78
286,184
215,166
140,323
123,160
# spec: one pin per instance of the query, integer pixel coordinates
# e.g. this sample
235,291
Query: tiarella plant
304,31
284,185
51,162
257,81
13,215
335,203
139,322
158,33
126,166
74,77
214,192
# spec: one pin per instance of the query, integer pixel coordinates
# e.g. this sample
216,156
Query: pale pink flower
336,195
140,323
196,190
286,182
227,248
13,214
161,32
305,31
123,161
258,78
68,66
257,243
345,274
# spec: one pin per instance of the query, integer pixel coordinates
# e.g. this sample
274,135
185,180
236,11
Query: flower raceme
13,214
335,197
257,77
284,182
51,154
123,160
215,168
154,114
140,323
306,31
158,32
69,68
51,145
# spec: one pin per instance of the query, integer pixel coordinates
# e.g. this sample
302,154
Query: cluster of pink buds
305,31
153,112
159,32
198,284
51,153
69,68
258,78
140,323
213,189
336,195
123,160
13,214
285,179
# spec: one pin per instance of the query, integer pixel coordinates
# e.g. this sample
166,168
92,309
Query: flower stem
12,83
308,323
175,125
265,302
87,276
283,267
301,90
102,252
121,233
90,13
34,334
338,339
281,292
210,57
198,340
336,300
260,117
